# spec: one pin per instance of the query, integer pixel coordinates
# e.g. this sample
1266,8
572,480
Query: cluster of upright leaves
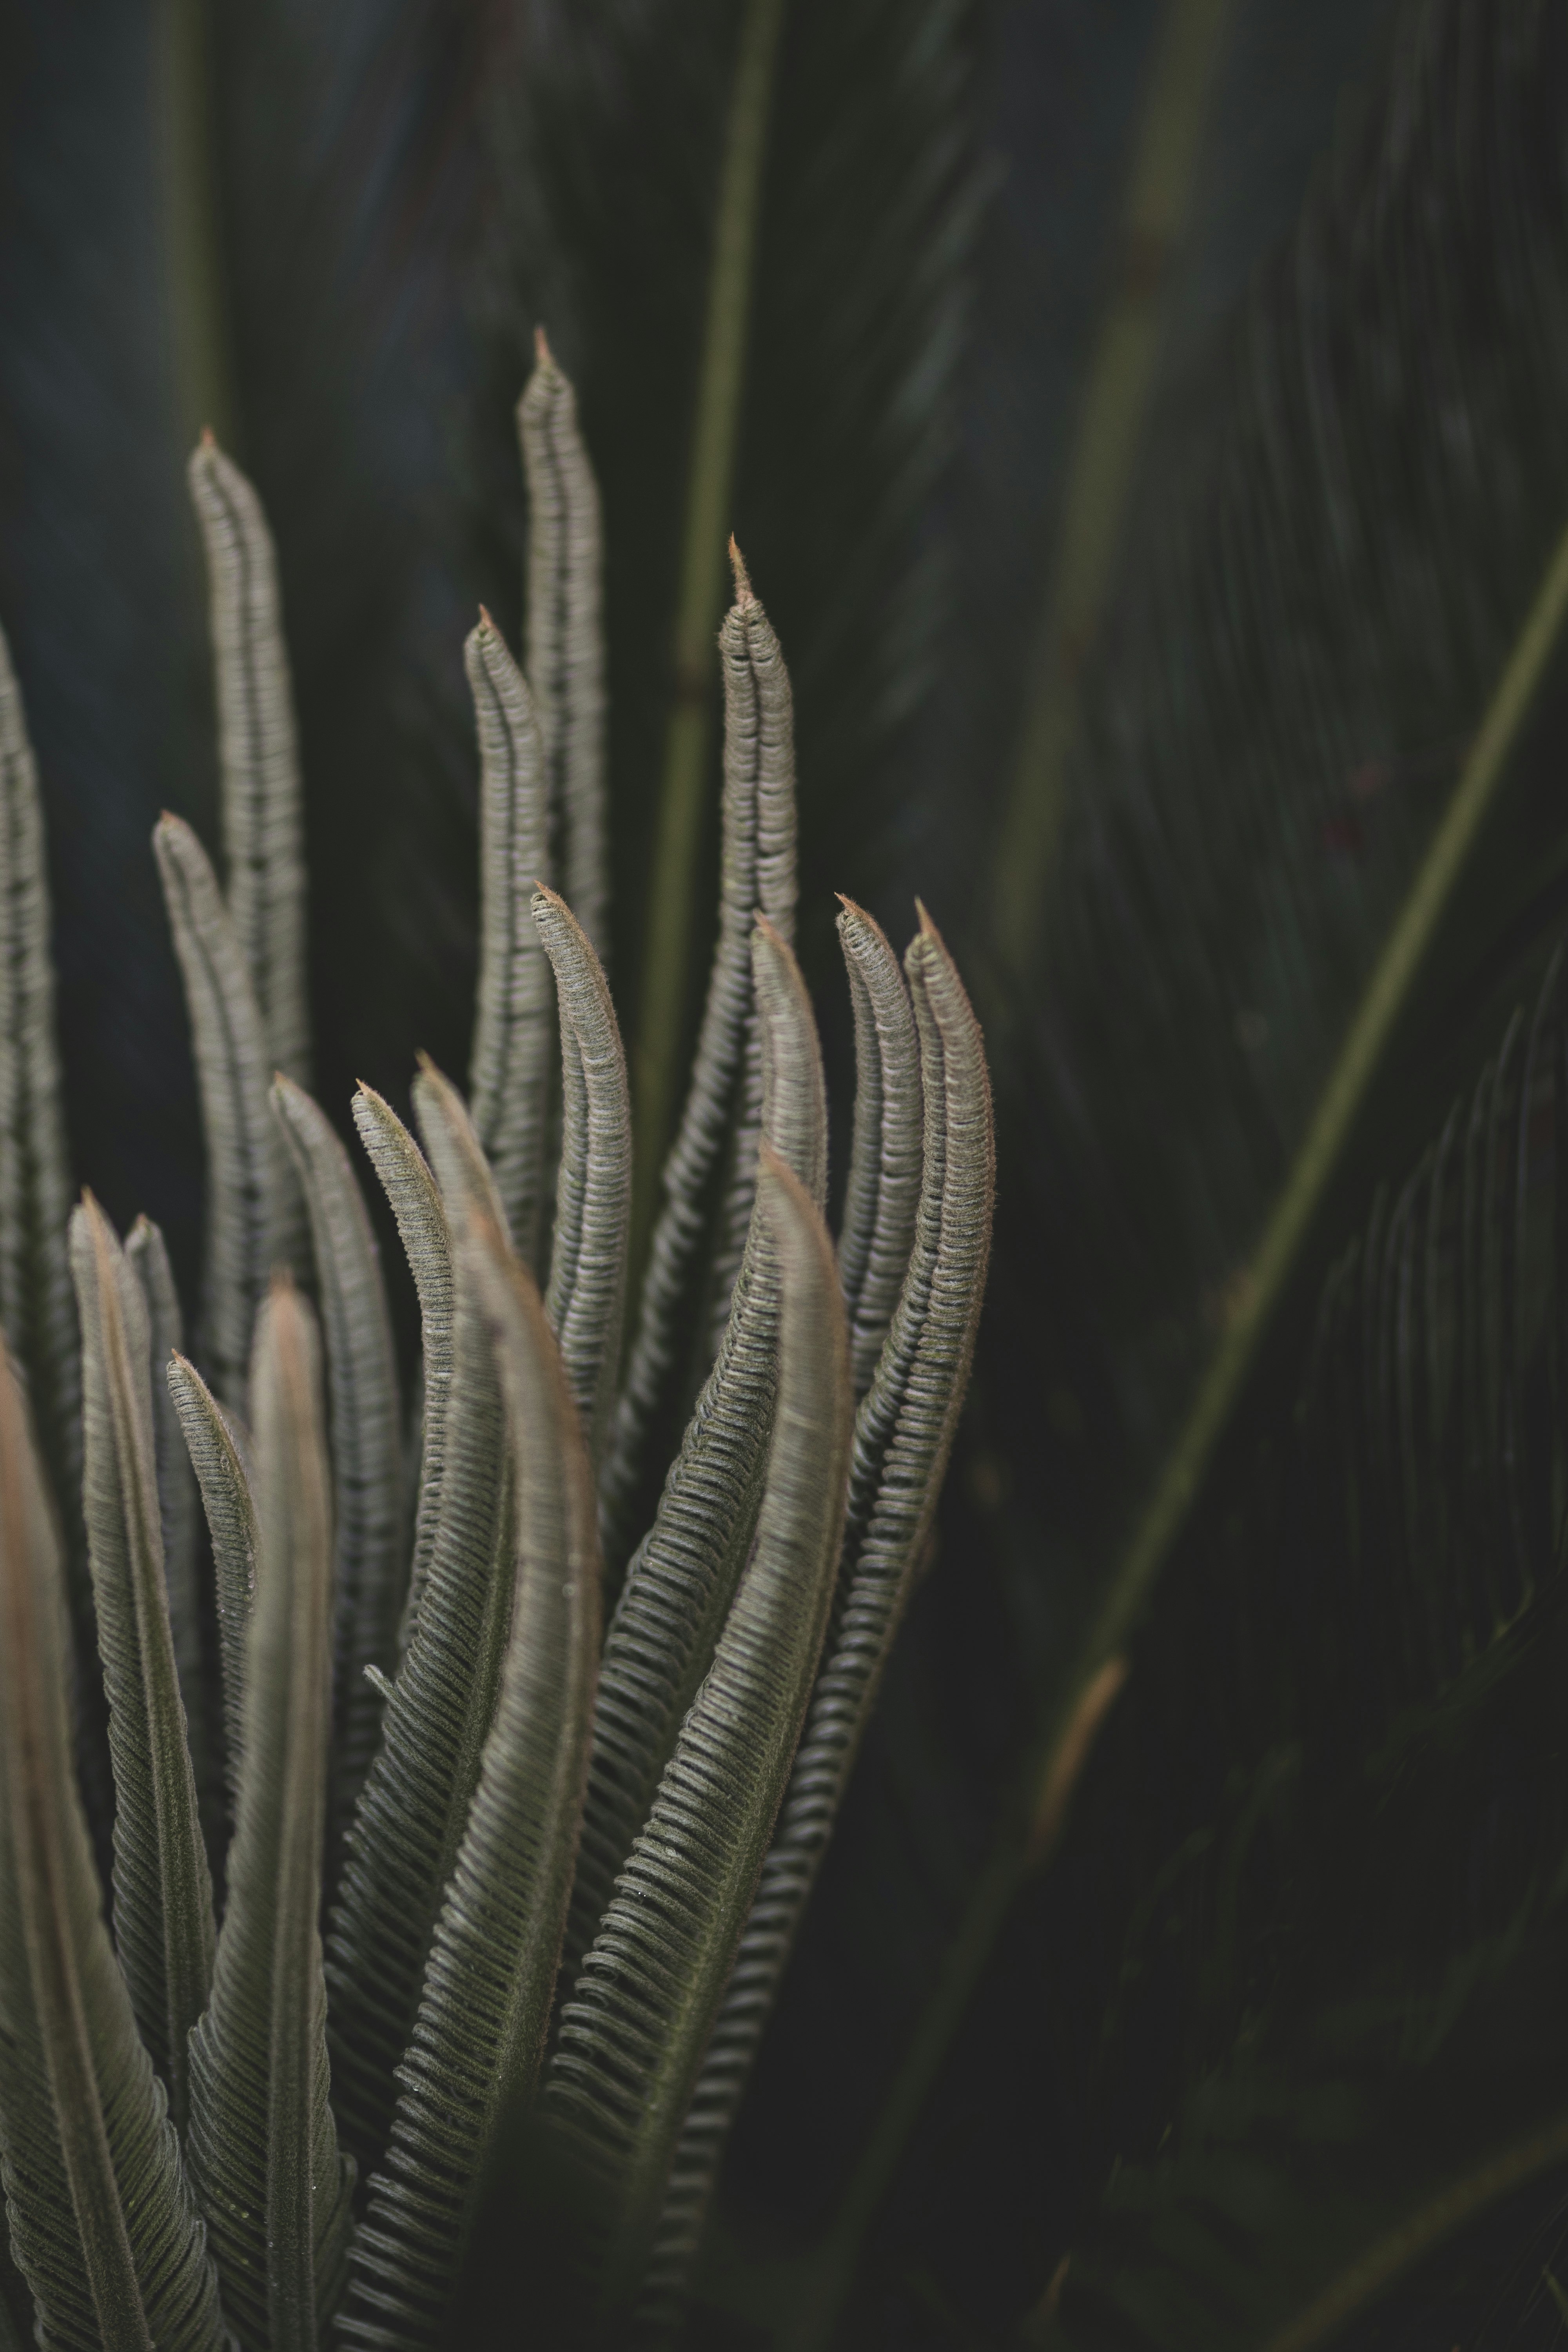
1343,1896
560,1868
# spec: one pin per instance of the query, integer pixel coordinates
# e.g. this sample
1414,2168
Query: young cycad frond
538,1850
262,2143
104,2224
263,837
565,653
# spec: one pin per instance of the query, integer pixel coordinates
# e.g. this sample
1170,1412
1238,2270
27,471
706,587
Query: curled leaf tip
552,897
744,594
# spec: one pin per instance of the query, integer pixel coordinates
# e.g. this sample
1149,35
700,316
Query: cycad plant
458,1825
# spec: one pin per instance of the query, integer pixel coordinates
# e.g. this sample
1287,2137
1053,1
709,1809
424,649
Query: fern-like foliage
559,1875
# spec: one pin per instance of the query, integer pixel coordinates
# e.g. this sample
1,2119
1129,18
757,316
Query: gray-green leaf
262,2147
511,1075
633,2034
366,1436
884,1182
594,1187
565,652
479,2043
242,1147
163,1888
104,2224
214,1443
258,762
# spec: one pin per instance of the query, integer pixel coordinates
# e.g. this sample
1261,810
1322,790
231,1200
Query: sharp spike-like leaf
422,1228
586,1298
511,1076
242,1144
758,873
222,1474
633,2034
566,651
680,1585
259,765
478,2043
37,1310
163,1888
414,1803
366,1437
903,1434
103,2225
884,1183
149,1261
263,2150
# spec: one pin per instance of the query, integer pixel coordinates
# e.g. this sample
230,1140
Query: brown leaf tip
541,352
743,594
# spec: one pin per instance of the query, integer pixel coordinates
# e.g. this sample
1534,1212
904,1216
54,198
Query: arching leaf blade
262,2145
903,1434
243,1148
222,1477
422,1228
679,1586
162,1887
586,1298
478,2043
565,648
263,836
883,1186
104,2224
757,873
633,2034
366,1438
414,1806
512,1072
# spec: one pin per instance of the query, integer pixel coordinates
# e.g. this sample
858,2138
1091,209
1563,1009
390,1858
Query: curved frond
262,2145
414,1803
411,1189
681,1580
757,874
242,1144
512,1072
37,1310
462,1167
103,2225
213,1443
586,1298
903,1434
633,2034
149,1261
163,1888
259,765
565,648
479,2043
366,1437
885,1155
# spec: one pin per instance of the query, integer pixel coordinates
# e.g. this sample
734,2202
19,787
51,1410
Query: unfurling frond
633,2034
104,2224
149,1261
242,1147
511,1075
162,1889
213,1442
262,830
885,1155
478,2042
565,653
263,2148
722,1102
680,1583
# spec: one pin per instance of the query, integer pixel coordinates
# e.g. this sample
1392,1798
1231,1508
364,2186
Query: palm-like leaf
213,1443
103,2223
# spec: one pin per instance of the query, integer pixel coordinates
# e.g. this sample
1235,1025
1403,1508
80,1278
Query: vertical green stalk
204,378
668,958
1103,463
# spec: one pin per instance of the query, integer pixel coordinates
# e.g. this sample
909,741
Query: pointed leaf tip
744,594
541,350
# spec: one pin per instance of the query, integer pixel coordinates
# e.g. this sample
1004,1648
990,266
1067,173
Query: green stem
667,964
1103,463
204,378
1021,1845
